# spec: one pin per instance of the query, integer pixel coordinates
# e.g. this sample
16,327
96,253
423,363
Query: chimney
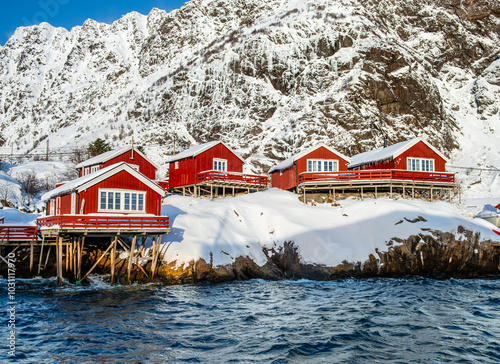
385,142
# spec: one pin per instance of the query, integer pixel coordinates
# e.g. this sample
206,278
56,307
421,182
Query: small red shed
116,189
317,159
129,154
213,165
413,155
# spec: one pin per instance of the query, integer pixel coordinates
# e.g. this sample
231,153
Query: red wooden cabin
128,154
209,168
317,159
412,155
117,197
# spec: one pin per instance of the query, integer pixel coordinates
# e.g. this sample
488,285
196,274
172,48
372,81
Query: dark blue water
349,321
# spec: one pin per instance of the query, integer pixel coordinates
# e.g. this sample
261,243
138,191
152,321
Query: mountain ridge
267,78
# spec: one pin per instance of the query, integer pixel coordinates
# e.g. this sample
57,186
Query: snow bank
324,234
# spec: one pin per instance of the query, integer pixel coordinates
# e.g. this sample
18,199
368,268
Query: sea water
414,320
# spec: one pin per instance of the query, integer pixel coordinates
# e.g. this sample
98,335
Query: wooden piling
131,258
113,256
32,248
59,253
41,255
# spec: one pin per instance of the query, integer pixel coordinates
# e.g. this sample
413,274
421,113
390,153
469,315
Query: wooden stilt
375,191
361,193
211,192
79,260
304,195
113,256
390,190
183,191
333,193
67,257
32,248
233,191
59,253
431,194
98,261
131,258
223,191
156,253
412,192
47,258
41,255
403,191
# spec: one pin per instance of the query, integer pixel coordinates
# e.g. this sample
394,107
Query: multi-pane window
94,169
322,165
220,165
122,201
420,164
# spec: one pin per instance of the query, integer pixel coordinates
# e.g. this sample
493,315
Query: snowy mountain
267,77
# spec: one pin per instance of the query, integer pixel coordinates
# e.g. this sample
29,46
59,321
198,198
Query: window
52,207
121,201
420,164
176,165
322,165
94,169
220,165
86,171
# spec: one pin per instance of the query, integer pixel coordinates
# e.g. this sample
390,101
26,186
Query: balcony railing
377,174
231,177
18,233
104,222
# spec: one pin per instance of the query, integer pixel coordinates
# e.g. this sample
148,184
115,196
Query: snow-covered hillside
224,229
266,77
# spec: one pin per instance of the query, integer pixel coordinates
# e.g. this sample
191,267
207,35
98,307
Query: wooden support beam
67,257
224,191
47,257
131,258
113,256
233,191
32,248
98,261
156,253
41,255
59,254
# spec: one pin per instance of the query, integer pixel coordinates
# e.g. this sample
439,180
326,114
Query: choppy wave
415,320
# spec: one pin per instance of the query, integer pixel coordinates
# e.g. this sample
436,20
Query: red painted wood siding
122,181
185,174
320,153
288,178
419,150
285,180
145,167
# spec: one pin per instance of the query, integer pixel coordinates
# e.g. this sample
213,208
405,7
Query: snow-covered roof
104,157
287,163
196,150
389,152
89,180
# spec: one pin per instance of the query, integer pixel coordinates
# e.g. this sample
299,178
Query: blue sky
69,13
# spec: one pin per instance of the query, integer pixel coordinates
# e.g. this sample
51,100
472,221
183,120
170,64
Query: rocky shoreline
433,254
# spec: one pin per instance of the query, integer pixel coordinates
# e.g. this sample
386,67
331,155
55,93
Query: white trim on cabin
119,200
322,165
219,165
420,164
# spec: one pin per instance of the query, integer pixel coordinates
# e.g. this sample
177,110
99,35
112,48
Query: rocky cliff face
267,77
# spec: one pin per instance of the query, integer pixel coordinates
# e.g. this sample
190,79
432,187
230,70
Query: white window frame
176,165
86,171
73,204
417,164
52,207
94,169
320,165
122,203
219,165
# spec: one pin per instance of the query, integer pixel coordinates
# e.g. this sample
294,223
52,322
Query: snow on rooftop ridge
93,178
389,152
104,157
197,150
287,163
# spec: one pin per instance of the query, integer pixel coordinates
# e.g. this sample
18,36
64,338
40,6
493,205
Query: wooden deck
366,176
18,234
377,181
103,225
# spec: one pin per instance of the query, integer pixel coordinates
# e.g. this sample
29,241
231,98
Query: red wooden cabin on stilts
210,169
